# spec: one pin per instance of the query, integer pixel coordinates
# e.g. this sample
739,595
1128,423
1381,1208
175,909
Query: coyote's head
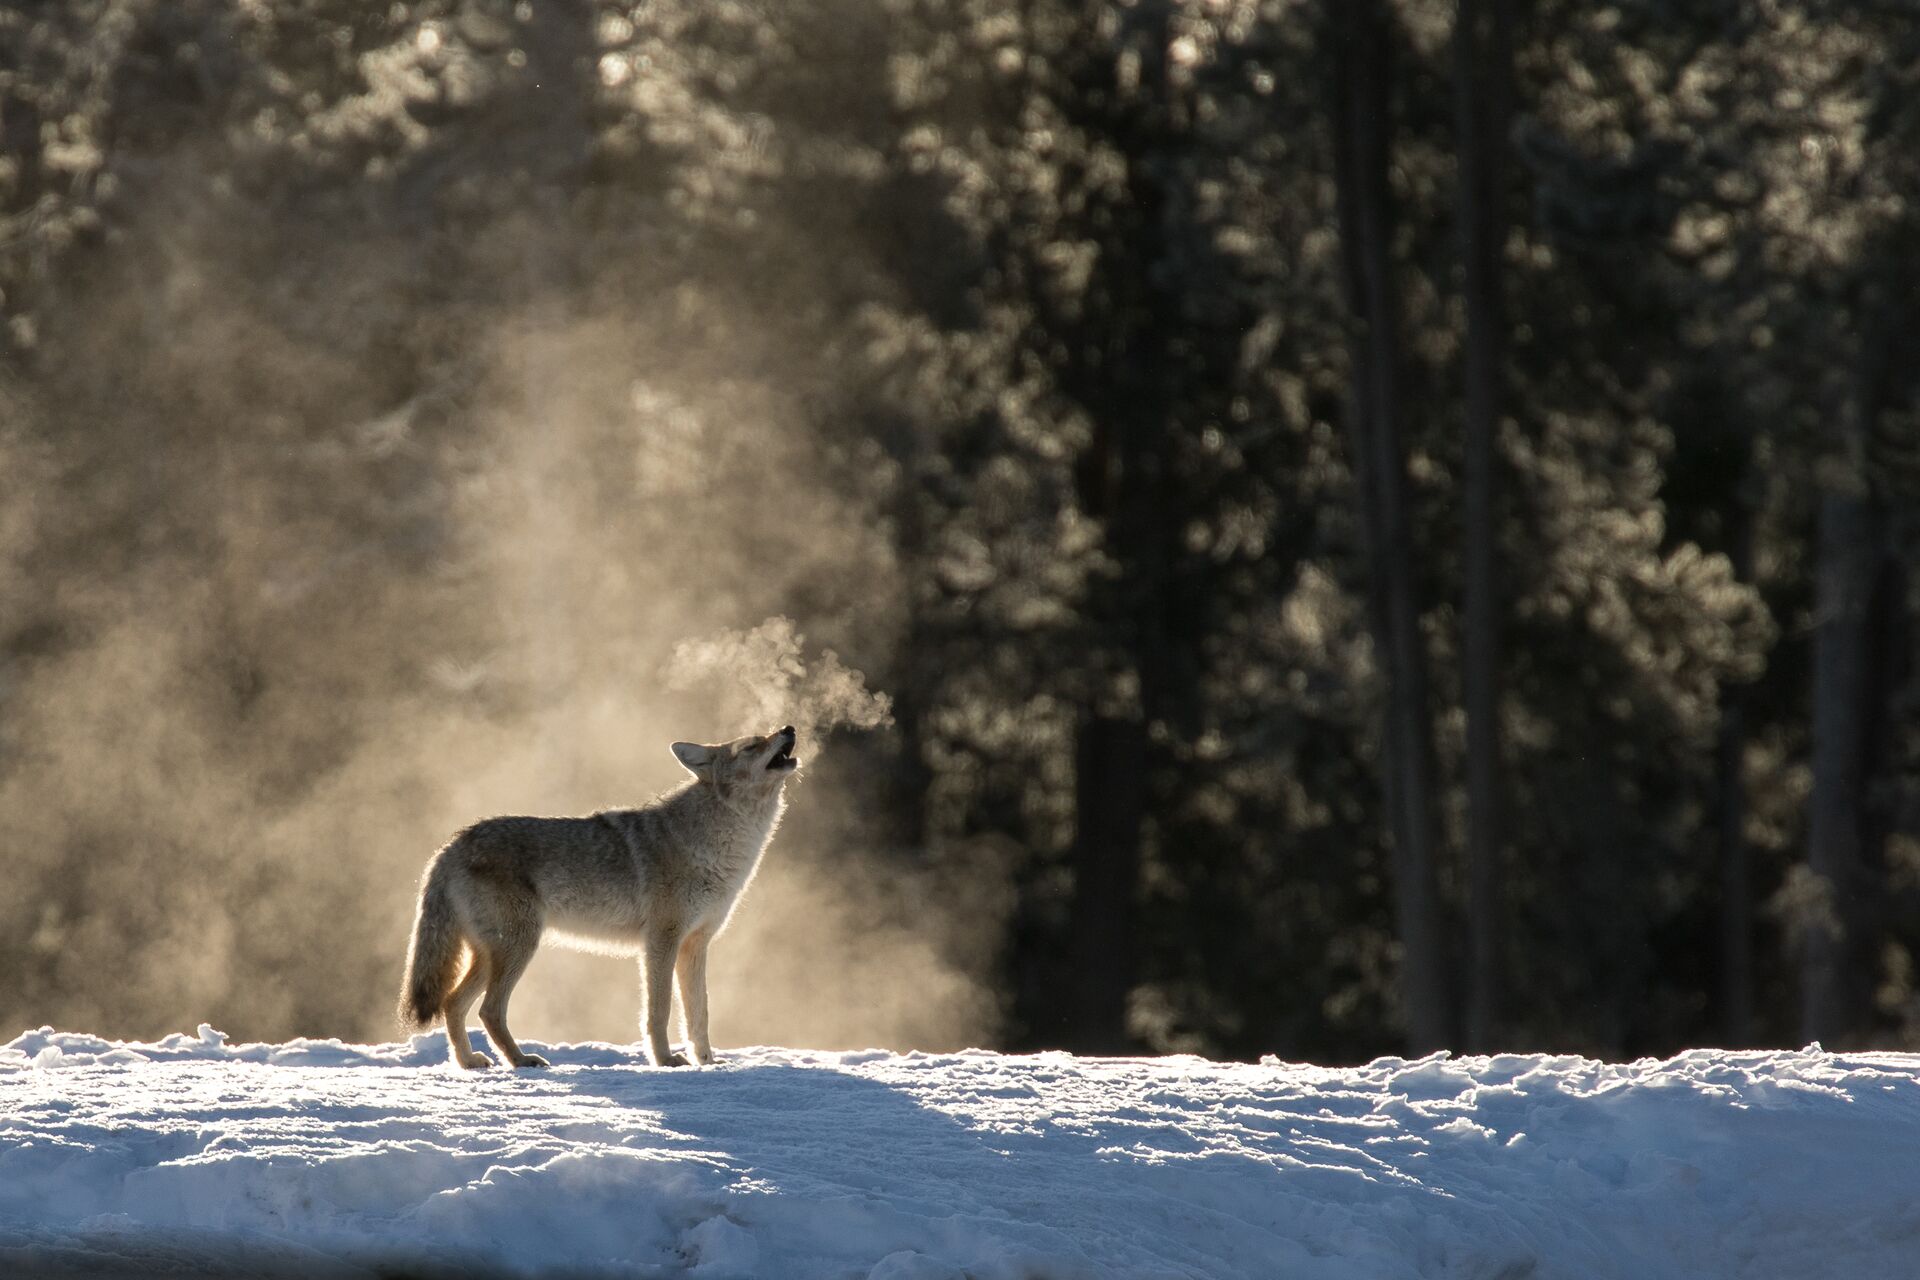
761,760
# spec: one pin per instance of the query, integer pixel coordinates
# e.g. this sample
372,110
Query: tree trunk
1362,143
1838,961
1123,484
1736,855
1110,758
1482,61
1831,999
1122,487
1122,480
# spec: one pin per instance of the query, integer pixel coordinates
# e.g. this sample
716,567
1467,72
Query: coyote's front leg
692,970
656,983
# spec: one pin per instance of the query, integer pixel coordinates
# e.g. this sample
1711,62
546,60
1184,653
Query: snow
317,1157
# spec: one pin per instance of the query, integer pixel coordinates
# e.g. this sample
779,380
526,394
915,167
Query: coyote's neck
736,823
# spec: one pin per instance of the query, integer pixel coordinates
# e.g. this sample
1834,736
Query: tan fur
658,882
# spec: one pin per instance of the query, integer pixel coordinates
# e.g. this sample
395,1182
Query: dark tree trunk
1360,44
1832,996
1736,855
1110,766
1112,747
1850,693
911,776
1123,482
1483,39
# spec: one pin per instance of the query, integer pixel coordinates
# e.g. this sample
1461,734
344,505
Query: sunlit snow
321,1157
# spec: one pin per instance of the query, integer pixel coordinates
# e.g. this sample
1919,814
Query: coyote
657,881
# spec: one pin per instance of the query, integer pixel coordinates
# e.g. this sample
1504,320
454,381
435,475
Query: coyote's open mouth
783,757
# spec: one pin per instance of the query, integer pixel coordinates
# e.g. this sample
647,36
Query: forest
1384,524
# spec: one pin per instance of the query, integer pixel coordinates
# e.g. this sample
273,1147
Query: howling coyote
657,881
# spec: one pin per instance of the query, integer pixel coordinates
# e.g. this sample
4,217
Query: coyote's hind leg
508,963
459,1000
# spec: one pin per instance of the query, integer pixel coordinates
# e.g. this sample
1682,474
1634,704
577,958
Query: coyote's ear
694,758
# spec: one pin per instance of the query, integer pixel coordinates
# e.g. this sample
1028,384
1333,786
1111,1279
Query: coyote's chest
693,860
714,878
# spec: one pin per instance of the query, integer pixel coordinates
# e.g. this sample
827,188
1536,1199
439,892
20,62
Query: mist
229,767
329,529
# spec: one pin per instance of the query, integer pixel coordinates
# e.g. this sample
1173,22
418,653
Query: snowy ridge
322,1157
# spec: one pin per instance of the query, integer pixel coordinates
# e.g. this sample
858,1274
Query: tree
1482,86
1856,587
1360,40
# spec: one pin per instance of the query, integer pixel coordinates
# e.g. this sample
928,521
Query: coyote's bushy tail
433,959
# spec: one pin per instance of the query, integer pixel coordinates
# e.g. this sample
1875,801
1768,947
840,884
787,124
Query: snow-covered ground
328,1158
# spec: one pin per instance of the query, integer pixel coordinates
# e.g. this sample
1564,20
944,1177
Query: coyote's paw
531,1060
673,1060
476,1061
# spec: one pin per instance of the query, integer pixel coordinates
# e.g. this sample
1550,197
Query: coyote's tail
433,960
